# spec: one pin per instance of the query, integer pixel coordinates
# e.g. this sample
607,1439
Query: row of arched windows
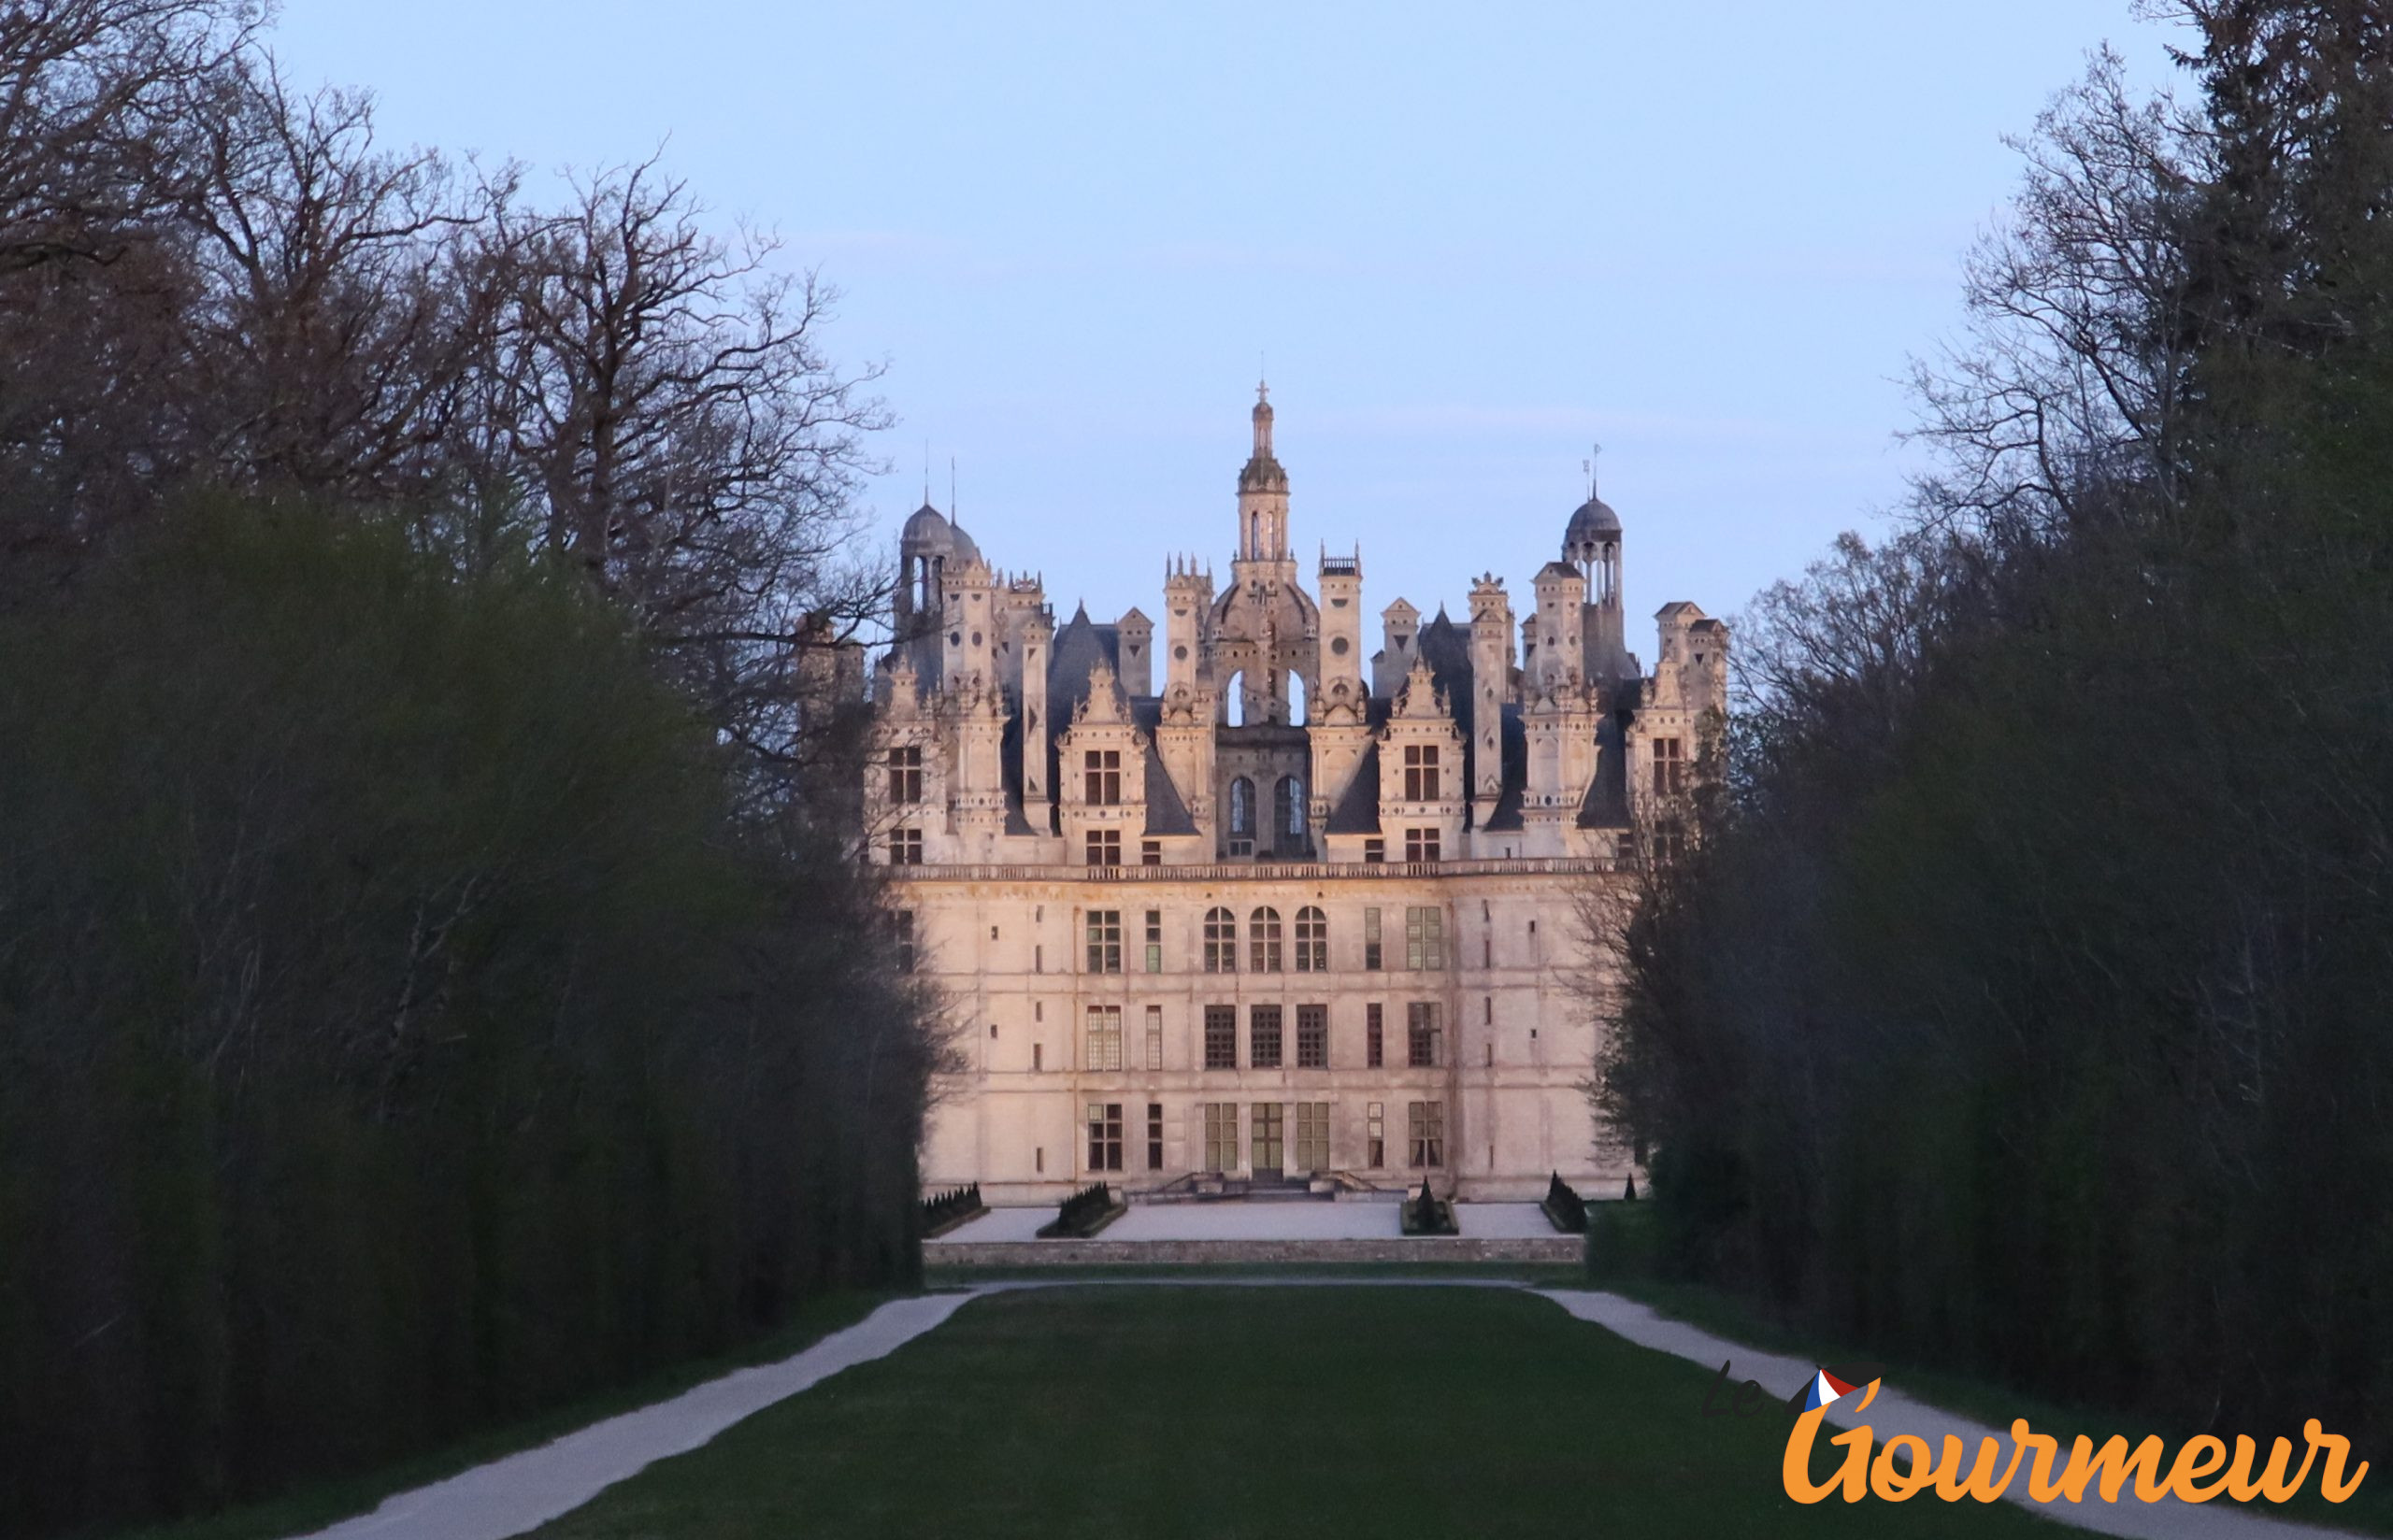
1288,807
1265,952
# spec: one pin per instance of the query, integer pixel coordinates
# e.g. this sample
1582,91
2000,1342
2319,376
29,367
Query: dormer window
906,776
1670,766
1104,772
1421,772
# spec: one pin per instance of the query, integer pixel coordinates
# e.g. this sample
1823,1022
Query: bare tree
687,441
88,92
344,302
2071,368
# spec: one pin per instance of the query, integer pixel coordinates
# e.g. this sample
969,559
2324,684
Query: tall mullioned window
1421,1035
1154,1037
905,847
1312,1037
1312,1136
1105,1136
1375,1134
1155,1135
1105,847
1241,808
1102,768
1425,1130
1263,932
1221,1037
1312,940
1288,810
1104,1038
1104,940
1220,1135
1263,1036
1424,937
1374,1035
1421,845
1221,941
901,931
906,776
1371,955
1154,941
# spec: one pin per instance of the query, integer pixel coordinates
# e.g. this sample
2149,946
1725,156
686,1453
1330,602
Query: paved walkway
521,1491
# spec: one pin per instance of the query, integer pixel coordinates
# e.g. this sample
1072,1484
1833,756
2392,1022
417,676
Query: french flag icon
1826,1388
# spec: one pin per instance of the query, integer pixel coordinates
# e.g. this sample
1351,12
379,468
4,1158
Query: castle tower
1399,627
1342,630
1591,545
1558,659
1337,714
1491,688
969,647
1263,495
1188,597
1137,634
1035,637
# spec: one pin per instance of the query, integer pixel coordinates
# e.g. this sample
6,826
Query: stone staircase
1210,1187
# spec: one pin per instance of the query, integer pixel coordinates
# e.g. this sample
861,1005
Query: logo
1904,1466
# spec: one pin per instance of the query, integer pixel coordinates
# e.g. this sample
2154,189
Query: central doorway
1267,1147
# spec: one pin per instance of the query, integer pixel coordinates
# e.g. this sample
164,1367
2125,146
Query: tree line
2019,1007
435,977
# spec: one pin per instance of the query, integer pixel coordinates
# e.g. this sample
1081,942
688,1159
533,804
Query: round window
1337,646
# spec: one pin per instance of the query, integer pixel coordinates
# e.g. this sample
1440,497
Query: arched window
1289,807
1221,941
1312,940
1298,710
1263,941
1234,699
1242,808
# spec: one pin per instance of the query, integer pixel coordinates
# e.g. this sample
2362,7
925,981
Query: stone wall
1394,1249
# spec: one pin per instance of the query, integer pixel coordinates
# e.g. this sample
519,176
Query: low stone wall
1105,1253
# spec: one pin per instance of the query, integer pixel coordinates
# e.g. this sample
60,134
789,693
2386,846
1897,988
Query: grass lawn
1157,1412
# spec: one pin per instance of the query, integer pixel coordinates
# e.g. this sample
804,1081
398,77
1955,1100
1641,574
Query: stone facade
1272,909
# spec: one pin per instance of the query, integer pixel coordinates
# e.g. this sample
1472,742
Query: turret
1263,494
1591,546
1188,596
1400,626
1137,636
1491,687
1035,637
969,649
1559,661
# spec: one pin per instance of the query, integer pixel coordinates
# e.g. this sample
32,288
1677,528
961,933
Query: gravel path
521,1491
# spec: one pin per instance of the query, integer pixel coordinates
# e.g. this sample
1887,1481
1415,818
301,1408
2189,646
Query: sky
1466,244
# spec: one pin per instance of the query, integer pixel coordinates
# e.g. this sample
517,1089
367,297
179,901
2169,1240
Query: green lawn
1129,1413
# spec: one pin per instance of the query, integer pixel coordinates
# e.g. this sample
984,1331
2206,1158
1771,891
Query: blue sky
1469,241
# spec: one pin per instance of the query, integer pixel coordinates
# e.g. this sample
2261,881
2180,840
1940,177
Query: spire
1262,419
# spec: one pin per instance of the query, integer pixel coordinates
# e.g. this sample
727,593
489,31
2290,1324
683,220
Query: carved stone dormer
1103,761
1421,785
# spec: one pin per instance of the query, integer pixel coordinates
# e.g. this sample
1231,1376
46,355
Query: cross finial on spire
1590,463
